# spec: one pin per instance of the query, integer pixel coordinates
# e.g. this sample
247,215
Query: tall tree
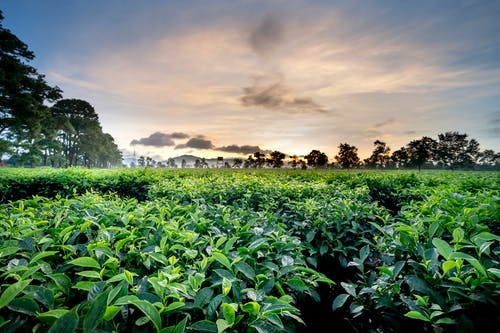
78,129
421,151
23,92
80,136
260,159
401,157
380,156
347,156
276,159
455,150
316,159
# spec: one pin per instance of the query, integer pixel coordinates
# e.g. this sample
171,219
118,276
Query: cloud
159,139
179,135
196,143
271,92
384,123
243,150
267,35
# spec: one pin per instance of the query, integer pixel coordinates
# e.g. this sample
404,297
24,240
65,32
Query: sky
227,78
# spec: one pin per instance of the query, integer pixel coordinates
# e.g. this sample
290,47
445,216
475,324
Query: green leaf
203,297
226,286
253,308
89,274
67,323
246,269
12,291
349,288
275,320
85,262
150,311
84,285
364,252
494,271
447,321
62,281
174,306
297,284
204,326
385,270
222,325
8,250
221,258
442,247
229,313
356,309
477,265
448,264
24,305
416,315
111,312
96,313
129,277
180,327
339,301
42,255
52,315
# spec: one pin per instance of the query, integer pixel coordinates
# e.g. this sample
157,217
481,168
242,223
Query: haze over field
226,78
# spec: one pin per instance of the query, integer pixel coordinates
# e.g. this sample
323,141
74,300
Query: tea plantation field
149,250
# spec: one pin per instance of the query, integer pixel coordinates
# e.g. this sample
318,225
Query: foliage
32,133
249,251
347,156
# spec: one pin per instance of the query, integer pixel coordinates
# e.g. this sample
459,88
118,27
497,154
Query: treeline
451,150
32,133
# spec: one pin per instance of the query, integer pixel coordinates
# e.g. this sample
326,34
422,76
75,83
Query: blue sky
218,77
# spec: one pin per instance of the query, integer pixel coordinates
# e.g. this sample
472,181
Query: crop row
254,252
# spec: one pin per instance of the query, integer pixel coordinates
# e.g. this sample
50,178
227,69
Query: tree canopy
33,133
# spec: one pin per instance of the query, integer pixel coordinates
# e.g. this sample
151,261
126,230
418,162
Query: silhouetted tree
183,163
237,162
456,151
347,156
316,159
260,159
380,156
141,161
276,159
421,151
401,157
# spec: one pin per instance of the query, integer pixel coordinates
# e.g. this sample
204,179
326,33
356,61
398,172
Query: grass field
147,250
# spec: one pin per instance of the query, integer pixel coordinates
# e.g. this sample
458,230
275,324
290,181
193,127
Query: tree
489,157
237,162
421,151
80,138
347,156
171,163
183,164
316,159
260,159
401,157
380,156
456,151
276,159
23,92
